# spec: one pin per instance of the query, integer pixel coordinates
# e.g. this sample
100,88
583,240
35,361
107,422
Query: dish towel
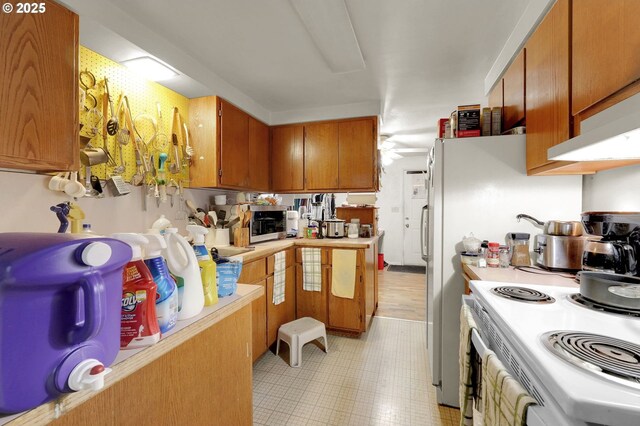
465,386
279,277
505,401
311,269
343,273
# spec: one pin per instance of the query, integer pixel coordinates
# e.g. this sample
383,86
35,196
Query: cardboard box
486,121
469,121
442,125
496,121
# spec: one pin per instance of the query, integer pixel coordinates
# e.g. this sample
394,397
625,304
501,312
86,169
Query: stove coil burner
606,356
580,300
522,294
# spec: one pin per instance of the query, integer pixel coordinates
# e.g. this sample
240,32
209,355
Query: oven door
536,414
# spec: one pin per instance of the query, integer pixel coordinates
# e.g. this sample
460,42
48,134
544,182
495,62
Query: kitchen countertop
129,361
270,247
515,276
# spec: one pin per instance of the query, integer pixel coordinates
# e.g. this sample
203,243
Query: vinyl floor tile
381,378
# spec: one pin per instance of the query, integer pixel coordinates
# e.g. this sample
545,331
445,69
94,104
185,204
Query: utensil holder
241,237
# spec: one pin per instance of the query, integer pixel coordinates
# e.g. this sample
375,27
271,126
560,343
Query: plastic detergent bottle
139,323
167,294
206,263
183,265
161,224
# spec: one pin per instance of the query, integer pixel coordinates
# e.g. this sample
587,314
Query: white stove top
581,394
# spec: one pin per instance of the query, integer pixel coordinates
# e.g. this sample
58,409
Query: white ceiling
422,57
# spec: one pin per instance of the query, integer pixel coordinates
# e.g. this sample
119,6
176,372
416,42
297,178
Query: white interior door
415,197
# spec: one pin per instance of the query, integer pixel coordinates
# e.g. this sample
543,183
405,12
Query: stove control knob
95,254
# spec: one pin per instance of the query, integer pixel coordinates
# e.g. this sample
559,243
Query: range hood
613,134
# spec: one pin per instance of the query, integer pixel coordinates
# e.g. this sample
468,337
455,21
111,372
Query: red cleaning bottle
139,322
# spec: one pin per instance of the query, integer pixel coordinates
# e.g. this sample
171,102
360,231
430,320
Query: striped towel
279,277
465,390
311,269
505,401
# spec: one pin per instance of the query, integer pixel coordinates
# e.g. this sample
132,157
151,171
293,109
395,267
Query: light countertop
129,361
516,276
270,247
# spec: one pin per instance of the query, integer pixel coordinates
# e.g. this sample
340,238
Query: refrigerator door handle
424,226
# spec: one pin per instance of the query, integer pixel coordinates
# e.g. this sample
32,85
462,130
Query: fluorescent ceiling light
329,25
150,68
616,140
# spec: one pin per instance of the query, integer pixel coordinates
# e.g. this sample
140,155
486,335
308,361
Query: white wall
390,202
612,190
25,201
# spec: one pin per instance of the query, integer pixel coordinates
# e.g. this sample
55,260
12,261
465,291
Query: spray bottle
139,323
207,265
167,295
160,225
183,265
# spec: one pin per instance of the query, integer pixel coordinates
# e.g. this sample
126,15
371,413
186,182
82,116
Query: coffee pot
618,247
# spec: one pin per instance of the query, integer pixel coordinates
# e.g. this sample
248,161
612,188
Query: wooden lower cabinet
255,272
285,311
341,314
207,380
312,303
348,314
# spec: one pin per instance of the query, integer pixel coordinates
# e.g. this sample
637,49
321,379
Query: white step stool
299,332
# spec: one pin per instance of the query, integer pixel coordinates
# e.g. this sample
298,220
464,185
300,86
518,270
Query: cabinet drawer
253,271
271,260
324,256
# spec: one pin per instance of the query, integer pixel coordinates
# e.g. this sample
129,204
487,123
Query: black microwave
267,223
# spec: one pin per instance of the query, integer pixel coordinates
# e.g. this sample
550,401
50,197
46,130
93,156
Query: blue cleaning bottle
167,294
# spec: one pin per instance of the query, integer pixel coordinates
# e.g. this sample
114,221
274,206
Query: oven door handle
478,343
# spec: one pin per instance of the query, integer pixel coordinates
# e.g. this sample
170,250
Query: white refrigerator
477,185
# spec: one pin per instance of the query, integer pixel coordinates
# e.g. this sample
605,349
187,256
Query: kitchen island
199,373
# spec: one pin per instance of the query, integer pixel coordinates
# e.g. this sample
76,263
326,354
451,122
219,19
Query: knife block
241,237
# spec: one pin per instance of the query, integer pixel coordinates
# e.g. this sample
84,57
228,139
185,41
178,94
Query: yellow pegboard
144,97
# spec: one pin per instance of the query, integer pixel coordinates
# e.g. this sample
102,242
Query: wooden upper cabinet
234,145
203,118
287,158
605,46
321,156
495,96
513,113
231,147
39,90
357,154
258,155
547,82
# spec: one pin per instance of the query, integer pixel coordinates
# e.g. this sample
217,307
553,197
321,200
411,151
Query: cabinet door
203,117
514,93
39,90
258,155
285,311
605,46
287,158
234,145
321,156
347,314
357,154
548,85
311,303
259,324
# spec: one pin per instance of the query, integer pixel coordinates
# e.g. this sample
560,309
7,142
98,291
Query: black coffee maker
618,247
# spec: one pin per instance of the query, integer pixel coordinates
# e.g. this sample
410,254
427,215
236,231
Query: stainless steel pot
622,291
556,227
334,228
